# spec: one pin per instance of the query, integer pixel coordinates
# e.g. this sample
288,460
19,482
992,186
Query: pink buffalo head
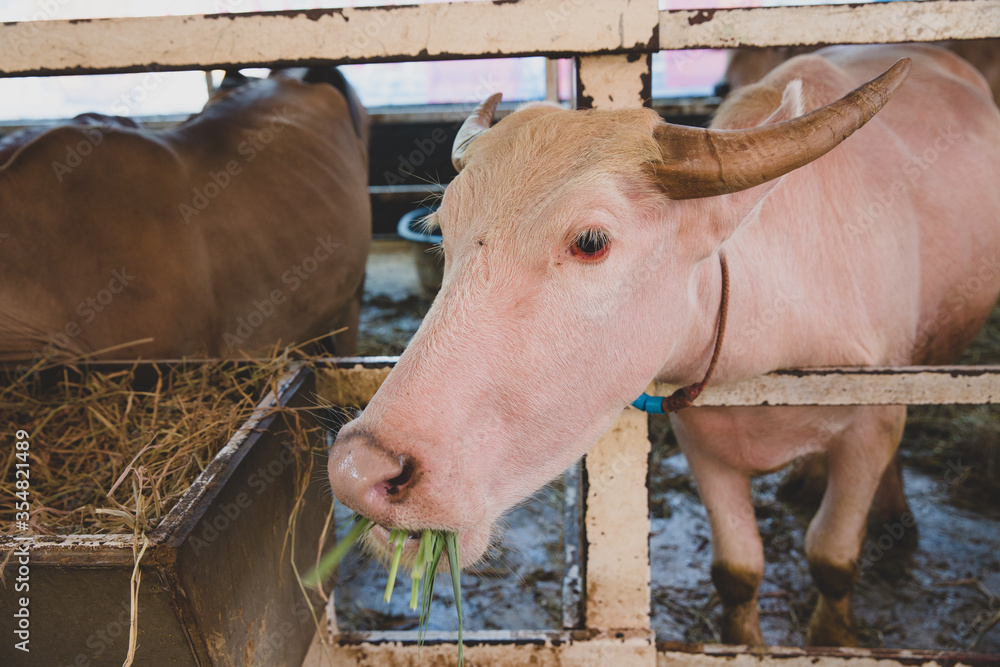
581,262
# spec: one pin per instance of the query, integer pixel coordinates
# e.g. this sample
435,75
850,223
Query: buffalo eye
591,245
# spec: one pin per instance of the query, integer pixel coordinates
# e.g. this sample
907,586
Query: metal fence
606,37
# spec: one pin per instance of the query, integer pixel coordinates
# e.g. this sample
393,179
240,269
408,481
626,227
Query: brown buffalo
246,226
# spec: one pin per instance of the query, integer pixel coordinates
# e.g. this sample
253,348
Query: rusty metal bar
354,382
874,23
915,385
329,36
611,648
696,655
496,648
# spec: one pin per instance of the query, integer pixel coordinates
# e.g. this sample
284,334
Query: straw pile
111,453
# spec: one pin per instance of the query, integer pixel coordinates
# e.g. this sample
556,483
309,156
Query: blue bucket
411,226
429,261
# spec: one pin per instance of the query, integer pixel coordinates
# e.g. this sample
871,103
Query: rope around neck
685,396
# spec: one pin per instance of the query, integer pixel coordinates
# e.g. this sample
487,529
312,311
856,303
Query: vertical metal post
617,501
617,526
613,82
574,574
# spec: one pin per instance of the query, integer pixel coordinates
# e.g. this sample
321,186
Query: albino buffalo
805,481
584,259
245,226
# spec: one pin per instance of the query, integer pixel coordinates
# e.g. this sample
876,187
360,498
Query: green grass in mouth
433,543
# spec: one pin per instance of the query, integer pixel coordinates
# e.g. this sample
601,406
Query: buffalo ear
747,203
724,214
793,104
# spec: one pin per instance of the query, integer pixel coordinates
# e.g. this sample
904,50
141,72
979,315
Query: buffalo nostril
364,474
397,484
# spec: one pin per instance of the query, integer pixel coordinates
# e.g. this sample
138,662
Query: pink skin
530,351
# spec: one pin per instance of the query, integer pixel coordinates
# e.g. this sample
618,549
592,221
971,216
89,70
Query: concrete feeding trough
429,262
217,587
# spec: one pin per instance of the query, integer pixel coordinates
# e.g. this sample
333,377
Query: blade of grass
427,542
396,539
451,541
436,548
332,559
418,570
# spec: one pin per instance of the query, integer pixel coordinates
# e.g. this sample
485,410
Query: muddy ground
942,593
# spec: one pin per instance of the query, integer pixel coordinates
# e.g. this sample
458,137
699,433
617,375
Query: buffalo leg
890,506
857,460
805,480
737,551
805,483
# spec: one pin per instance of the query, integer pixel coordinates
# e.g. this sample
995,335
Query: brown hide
247,225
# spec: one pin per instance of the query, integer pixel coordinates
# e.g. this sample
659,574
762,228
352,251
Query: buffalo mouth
382,533
376,542
473,544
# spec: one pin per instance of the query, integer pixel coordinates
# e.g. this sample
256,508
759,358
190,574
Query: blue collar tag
650,404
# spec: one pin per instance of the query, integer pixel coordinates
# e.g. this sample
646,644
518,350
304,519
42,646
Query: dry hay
113,448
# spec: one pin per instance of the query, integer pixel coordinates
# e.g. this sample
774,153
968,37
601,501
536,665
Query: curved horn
474,125
701,163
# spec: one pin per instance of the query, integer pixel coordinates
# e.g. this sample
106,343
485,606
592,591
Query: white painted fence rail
355,382
876,23
465,30
367,34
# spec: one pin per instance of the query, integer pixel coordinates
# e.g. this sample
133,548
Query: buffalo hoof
832,624
741,625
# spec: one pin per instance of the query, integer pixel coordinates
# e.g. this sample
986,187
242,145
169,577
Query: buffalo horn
701,163
474,125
